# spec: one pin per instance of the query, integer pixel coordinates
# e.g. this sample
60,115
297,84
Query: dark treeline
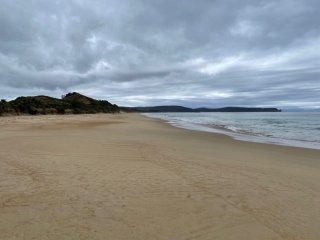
71,103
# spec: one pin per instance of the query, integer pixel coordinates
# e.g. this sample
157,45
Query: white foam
232,131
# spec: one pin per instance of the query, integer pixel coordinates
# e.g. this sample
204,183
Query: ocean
281,128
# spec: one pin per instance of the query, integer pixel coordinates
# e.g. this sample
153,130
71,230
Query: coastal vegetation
71,103
76,103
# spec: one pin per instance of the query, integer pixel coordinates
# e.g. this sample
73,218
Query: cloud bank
147,52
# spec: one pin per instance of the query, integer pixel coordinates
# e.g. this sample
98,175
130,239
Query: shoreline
128,176
240,136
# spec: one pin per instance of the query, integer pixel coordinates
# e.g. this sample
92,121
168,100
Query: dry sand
131,177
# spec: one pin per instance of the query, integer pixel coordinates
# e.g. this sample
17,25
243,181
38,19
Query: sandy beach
127,176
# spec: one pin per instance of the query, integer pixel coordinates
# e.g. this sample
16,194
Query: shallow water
291,129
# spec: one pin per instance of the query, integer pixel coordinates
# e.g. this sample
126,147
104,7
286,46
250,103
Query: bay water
281,128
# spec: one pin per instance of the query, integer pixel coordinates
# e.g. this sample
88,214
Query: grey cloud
148,52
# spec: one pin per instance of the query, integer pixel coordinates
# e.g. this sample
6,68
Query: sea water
281,128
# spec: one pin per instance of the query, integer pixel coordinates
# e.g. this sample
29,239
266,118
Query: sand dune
131,177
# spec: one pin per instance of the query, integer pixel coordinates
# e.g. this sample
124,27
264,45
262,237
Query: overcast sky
205,53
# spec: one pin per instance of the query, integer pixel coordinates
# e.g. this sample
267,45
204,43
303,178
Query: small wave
255,131
235,129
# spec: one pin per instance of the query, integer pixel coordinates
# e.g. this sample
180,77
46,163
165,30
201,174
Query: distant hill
185,109
71,103
76,103
166,109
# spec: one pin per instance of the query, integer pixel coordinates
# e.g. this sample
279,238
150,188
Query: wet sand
127,176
